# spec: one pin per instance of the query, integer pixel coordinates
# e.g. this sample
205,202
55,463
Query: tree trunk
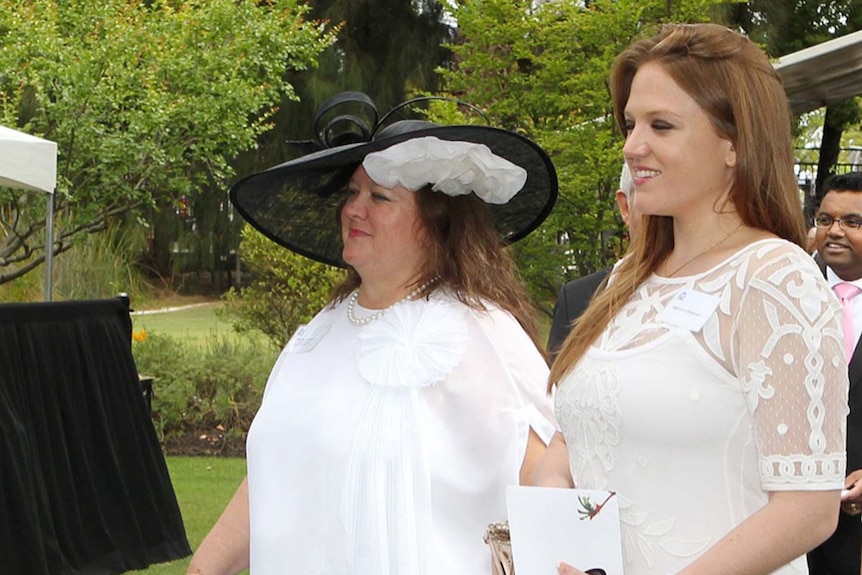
829,150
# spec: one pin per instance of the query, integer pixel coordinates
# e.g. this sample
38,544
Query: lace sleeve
789,358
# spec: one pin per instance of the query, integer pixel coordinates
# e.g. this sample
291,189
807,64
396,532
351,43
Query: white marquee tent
822,74
30,163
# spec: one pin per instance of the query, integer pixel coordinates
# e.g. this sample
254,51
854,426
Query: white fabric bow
454,168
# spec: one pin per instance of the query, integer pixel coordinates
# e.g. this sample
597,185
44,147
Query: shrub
27,288
199,389
100,265
287,289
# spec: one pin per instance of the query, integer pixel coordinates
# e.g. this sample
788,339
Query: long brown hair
467,255
732,80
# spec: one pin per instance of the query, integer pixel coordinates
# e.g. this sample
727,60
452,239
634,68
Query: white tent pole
49,247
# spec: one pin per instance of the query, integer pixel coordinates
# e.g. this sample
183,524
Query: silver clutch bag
498,540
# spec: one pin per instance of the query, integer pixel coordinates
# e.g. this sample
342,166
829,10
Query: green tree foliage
542,69
148,101
387,49
383,48
784,27
287,289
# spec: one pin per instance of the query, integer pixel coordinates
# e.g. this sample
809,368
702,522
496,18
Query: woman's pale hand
566,569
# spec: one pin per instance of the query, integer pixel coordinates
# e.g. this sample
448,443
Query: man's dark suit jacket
571,302
839,555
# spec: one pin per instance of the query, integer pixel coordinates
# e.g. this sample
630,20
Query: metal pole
49,246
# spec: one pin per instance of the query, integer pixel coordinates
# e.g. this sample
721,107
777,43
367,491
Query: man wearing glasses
839,253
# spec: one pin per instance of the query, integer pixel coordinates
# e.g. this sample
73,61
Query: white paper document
578,526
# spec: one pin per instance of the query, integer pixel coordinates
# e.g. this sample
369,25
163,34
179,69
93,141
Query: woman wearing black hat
393,422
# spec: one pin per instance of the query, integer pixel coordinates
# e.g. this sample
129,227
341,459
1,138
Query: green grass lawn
203,485
198,324
193,324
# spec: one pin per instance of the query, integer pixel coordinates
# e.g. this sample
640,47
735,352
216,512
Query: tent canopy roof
27,162
823,74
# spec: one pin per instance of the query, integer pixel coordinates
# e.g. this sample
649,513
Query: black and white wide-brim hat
295,204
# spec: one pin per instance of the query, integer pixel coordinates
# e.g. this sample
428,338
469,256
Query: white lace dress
694,428
386,449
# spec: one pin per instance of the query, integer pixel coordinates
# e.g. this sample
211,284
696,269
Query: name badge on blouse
306,337
689,309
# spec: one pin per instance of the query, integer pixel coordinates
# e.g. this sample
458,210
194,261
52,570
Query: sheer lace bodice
693,427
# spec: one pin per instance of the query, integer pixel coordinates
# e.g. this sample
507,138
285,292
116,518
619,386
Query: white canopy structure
27,162
30,163
822,74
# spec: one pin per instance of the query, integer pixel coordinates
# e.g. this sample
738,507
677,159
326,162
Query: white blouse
386,449
693,427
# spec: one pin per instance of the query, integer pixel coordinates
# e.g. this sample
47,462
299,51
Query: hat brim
294,204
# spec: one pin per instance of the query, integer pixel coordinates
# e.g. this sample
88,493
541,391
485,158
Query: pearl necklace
704,252
360,321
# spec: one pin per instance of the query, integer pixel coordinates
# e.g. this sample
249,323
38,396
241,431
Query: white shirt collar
832,278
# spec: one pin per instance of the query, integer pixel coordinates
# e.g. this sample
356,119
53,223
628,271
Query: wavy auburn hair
467,254
732,80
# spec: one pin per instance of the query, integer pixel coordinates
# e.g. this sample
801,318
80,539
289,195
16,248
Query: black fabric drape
84,489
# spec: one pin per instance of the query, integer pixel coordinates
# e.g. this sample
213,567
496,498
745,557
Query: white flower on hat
452,167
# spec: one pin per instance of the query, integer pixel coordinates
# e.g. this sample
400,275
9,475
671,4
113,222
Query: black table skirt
84,489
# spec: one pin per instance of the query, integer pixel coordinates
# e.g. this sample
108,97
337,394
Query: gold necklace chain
706,251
